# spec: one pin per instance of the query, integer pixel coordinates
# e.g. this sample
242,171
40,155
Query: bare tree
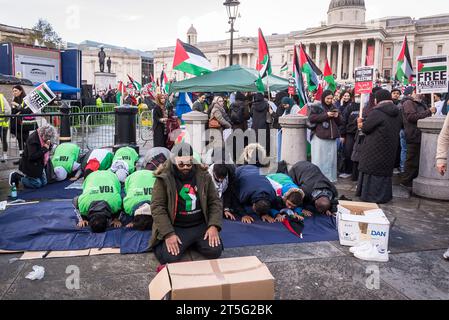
45,35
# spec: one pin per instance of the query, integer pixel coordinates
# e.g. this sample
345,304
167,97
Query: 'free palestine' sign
432,74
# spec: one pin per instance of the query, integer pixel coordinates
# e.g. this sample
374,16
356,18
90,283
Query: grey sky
148,24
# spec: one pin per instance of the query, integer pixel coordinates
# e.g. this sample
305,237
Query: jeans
35,183
191,238
403,150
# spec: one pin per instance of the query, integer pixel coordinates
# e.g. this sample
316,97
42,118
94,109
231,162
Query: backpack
236,114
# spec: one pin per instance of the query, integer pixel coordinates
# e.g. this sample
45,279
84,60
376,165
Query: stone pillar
340,60
308,48
351,59
318,55
195,123
364,47
430,184
240,59
294,139
329,53
377,57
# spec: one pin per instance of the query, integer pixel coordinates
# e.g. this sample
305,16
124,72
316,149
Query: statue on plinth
109,64
102,58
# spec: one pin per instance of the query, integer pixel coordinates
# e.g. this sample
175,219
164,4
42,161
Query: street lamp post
232,6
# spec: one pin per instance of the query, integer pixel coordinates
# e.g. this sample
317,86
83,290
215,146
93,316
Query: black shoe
16,163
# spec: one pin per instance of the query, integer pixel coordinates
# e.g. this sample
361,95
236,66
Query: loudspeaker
86,91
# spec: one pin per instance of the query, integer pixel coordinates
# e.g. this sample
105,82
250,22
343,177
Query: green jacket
100,186
128,155
138,189
66,154
163,205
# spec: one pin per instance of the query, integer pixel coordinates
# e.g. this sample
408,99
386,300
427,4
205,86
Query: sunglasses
184,165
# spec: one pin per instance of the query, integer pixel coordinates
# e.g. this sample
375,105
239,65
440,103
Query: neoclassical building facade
347,40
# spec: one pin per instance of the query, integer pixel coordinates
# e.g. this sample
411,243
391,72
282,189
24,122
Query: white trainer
362,246
375,254
446,255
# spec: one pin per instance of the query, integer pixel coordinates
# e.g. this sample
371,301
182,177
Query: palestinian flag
329,78
284,67
164,82
432,64
120,93
309,68
135,84
263,62
404,72
299,80
191,60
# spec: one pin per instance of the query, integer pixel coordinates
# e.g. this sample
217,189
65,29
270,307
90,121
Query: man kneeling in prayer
136,204
292,195
100,201
65,160
321,196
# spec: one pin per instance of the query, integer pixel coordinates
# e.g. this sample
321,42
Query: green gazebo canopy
231,79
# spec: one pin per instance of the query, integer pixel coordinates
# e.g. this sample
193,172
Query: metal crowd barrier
90,130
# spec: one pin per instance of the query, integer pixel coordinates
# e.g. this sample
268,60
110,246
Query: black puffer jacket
309,178
350,115
259,111
381,142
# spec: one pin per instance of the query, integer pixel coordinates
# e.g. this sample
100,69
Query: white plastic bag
37,274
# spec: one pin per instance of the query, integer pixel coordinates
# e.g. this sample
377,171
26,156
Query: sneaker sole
371,260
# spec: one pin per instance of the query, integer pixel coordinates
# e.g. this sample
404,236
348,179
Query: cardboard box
362,221
245,278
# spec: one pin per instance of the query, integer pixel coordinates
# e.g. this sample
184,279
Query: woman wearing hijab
160,118
326,119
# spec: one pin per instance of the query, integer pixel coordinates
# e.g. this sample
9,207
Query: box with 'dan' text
362,221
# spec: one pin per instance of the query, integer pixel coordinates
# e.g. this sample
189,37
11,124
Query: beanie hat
60,173
409,90
144,210
383,95
396,90
287,100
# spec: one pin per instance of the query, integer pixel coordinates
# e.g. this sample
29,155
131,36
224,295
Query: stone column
377,44
308,48
240,59
294,139
430,184
364,47
195,123
340,60
329,53
351,60
318,55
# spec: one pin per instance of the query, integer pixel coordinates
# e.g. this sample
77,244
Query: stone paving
324,270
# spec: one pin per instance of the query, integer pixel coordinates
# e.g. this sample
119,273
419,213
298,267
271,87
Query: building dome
346,12
192,30
342,4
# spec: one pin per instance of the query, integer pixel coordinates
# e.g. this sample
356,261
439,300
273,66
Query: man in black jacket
413,110
34,159
320,195
378,155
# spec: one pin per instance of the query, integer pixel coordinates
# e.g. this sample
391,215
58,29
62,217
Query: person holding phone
326,119
35,157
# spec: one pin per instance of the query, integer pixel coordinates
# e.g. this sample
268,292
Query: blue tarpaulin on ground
49,192
52,226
